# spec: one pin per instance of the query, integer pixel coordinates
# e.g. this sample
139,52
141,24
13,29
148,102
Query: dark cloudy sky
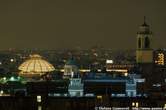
56,24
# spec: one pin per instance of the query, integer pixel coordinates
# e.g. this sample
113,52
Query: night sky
45,24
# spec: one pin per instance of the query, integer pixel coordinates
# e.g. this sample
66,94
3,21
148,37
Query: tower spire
145,24
144,19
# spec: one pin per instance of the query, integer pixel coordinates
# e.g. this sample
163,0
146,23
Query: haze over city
71,23
82,54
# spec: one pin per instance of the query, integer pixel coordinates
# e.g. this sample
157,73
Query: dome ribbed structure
35,65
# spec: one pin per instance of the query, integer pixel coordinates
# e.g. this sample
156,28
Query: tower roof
71,61
144,28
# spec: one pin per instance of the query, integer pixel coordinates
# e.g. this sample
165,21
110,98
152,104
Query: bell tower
144,52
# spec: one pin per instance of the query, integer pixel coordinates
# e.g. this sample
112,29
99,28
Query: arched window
139,42
147,42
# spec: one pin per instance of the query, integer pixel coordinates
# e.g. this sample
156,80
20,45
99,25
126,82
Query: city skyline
68,24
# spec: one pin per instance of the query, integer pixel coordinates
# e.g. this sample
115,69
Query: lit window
160,59
133,104
38,98
39,107
99,97
164,106
136,104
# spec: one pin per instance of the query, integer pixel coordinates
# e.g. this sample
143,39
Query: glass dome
35,65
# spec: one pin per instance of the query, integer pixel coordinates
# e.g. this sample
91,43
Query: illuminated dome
35,65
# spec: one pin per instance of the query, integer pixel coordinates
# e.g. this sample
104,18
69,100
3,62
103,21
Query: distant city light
125,74
157,85
12,78
4,78
11,60
95,54
1,92
18,77
0,63
109,61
